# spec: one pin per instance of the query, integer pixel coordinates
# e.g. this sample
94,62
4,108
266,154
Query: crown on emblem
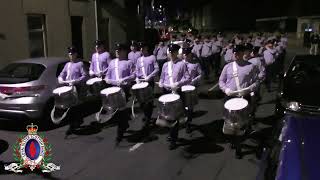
32,129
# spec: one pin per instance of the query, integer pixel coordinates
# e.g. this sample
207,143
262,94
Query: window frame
43,30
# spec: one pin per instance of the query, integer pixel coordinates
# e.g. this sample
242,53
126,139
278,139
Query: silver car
26,87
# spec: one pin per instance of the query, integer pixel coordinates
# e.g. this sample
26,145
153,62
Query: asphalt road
203,155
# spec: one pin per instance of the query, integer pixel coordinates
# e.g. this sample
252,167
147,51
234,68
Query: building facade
36,28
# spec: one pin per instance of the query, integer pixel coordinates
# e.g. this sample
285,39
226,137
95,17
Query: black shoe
173,146
169,138
188,129
118,140
69,132
238,156
232,146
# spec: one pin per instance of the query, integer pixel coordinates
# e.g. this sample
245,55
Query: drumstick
213,87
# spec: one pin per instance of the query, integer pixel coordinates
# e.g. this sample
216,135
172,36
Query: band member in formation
270,56
146,70
174,75
195,73
161,54
135,52
99,61
74,74
206,52
121,73
258,60
236,76
227,53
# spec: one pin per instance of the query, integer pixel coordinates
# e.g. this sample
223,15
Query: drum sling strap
142,67
236,75
170,72
98,63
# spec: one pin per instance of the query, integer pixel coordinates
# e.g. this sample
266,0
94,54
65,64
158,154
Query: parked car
300,87
294,151
26,88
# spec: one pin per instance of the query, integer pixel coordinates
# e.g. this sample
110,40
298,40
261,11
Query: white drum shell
170,110
142,91
65,97
189,95
236,116
113,98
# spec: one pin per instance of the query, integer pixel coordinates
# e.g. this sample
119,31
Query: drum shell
96,87
190,98
114,101
235,120
143,94
170,111
65,100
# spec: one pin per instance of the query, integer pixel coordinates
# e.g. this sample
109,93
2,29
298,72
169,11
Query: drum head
188,88
93,80
62,89
169,98
110,90
140,85
235,104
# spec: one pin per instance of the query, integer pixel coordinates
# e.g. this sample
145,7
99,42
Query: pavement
203,155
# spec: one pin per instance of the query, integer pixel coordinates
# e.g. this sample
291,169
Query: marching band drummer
99,61
135,53
76,75
174,75
146,70
195,73
245,76
121,73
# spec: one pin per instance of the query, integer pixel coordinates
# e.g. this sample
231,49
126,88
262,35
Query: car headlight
294,106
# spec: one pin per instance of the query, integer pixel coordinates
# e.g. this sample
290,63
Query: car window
21,72
60,68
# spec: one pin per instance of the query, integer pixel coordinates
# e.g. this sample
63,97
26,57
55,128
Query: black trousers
205,66
217,63
270,73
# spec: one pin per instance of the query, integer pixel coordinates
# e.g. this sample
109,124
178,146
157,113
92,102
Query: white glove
91,73
137,80
175,86
60,80
228,91
72,83
108,81
160,85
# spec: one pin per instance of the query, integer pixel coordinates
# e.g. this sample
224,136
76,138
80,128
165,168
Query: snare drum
65,97
113,98
189,95
170,107
96,85
236,116
142,91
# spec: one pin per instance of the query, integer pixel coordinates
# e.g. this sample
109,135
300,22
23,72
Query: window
20,73
37,35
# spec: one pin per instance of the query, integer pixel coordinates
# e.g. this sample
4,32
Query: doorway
76,31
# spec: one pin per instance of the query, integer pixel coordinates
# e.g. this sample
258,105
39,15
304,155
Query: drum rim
194,88
147,84
177,95
118,90
96,78
63,87
230,100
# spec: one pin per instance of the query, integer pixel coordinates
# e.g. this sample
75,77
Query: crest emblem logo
32,151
